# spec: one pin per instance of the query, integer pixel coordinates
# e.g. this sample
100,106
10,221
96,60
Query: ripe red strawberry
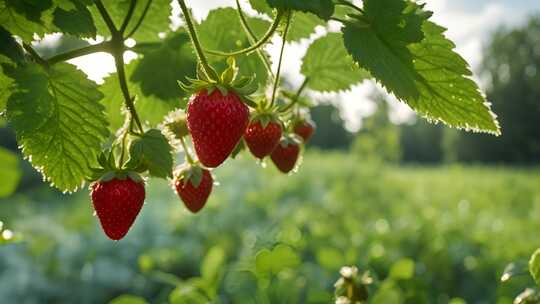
305,129
216,123
194,192
117,203
261,140
286,155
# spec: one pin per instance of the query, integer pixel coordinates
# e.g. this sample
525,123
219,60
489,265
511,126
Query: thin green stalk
255,46
106,17
91,49
124,143
139,22
278,74
338,19
208,70
117,50
166,278
131,9
186,151
296,96
34,54
349,4
253,38
119,61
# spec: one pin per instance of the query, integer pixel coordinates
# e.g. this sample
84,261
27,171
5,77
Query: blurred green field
268,238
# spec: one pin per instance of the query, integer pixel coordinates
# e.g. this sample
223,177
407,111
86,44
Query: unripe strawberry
117,203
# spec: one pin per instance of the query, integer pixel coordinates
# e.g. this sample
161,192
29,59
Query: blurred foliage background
434,214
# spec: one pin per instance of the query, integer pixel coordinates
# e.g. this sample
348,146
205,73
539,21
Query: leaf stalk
278,74
255,46
253,38
208,70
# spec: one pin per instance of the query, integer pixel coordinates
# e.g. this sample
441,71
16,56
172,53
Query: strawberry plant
216,79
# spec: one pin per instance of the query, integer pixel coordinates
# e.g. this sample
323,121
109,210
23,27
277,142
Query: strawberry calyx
265,113
189,173
265,119
290,139
120,175
109,170
227,82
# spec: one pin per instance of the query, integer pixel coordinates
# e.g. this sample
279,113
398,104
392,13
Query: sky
469,24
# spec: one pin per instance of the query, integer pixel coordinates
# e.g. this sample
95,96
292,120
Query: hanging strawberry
287,153
117,196
217,114
264,131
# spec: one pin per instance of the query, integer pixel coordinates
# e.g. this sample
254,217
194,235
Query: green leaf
423,72
447,93
302,26
402,270
150,108
213,263
321,8
5,90
381,47
330,258
222,31
6,83
59,122
534,266
128,299
276,260
66,4
156,19
24,18
77,21
160,69
153,150
186,293
10,173
329,67
387,293
261,6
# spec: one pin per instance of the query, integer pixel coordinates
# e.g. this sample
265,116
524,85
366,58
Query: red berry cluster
218,124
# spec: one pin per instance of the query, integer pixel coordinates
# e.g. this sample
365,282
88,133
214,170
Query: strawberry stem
129,14
278,74
120,71
255,46
124,144
208,70
186,151
296,96
139,22
253,38
117,50
349,4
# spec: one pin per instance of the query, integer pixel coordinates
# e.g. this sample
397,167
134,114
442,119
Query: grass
460,226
